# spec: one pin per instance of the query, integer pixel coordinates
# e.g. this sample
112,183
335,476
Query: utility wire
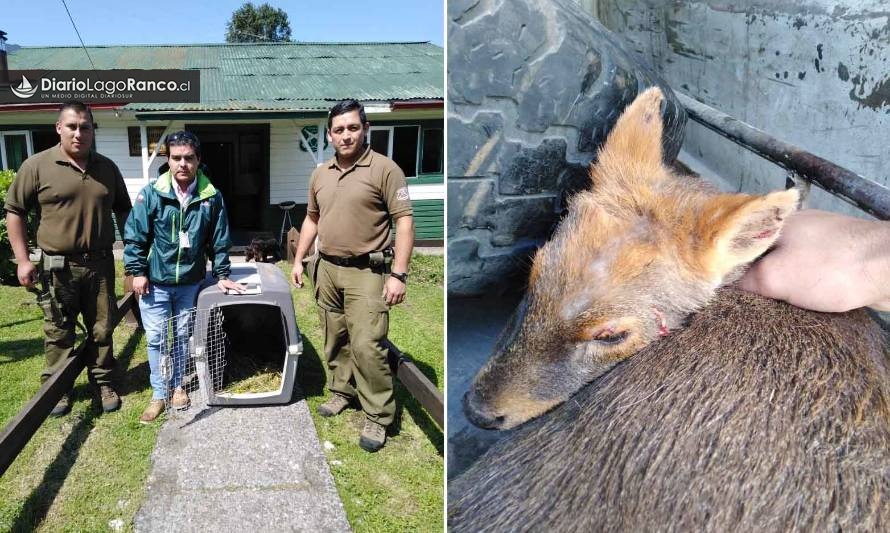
78,35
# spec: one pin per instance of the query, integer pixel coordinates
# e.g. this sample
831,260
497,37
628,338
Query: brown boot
180,399
334,406
109,398
373,436
152,412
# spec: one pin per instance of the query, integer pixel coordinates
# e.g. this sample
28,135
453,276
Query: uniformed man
75,190
352,200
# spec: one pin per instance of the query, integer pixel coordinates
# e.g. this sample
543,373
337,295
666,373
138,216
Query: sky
103,22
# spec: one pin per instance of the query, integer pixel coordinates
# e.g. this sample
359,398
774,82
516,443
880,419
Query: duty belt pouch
380,258
375,259
53,263
53,311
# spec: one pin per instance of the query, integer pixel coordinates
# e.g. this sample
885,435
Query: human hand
394,291
296,273
826,262
140,285
27,273
227,285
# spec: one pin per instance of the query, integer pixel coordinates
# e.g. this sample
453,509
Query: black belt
354,261
87,257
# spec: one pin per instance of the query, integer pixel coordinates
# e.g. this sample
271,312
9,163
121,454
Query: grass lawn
87,471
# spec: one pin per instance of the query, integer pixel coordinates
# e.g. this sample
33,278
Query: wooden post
132,316
293,237
420,387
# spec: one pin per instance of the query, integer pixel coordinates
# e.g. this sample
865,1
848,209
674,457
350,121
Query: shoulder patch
139,198
402,194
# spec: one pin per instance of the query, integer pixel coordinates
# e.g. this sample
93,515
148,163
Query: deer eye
610,337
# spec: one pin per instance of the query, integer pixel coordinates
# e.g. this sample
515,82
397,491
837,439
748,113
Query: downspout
4,66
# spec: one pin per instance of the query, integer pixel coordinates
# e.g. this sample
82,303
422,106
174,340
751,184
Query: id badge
184,240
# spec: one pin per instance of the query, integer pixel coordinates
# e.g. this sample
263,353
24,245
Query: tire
534,86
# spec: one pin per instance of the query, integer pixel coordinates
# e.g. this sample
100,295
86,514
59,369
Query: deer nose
479,415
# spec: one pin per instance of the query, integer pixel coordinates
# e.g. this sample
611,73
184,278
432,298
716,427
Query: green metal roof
268,76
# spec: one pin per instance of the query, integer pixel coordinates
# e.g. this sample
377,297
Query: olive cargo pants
356,320
85,289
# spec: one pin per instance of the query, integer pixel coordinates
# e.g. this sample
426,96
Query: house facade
261,119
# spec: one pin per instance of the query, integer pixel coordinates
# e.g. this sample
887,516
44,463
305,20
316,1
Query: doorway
237,161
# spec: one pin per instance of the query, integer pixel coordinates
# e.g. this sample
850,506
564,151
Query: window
431,155
416,150
15,147
380,140
153,133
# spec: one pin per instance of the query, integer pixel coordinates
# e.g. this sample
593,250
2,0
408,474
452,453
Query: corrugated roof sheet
269,76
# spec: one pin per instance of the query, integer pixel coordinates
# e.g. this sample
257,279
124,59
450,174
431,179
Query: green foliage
251,24
7,267
85,471
398,488
427,270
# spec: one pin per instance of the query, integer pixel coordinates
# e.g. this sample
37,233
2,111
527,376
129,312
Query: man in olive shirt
75,191
352,199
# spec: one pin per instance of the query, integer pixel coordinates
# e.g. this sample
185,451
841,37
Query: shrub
7,267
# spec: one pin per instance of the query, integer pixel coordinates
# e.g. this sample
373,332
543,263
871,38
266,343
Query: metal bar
417,384
22,427
866,194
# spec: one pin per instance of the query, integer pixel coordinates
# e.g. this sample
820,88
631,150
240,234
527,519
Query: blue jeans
157,307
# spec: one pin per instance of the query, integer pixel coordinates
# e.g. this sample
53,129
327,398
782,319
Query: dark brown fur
758,416
263,250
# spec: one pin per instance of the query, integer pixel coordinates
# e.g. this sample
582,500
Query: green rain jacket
152,243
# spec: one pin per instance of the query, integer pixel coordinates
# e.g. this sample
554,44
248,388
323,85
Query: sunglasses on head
183,136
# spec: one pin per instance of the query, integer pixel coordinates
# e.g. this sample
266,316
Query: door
237,160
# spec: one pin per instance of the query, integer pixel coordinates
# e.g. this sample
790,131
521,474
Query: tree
252,24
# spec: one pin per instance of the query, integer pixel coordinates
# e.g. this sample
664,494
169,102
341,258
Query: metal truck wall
813,73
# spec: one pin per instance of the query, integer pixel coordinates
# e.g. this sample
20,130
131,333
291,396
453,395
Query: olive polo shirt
75,207
355,205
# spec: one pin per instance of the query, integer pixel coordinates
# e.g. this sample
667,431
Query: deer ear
738,228
635,140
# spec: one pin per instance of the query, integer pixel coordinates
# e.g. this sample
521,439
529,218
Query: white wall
289,167
112,142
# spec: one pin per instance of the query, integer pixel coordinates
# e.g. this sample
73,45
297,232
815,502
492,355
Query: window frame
29,145
138,146
392,132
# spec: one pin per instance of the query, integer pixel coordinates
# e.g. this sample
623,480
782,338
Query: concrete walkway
241,469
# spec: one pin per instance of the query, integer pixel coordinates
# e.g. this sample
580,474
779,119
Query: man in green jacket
175,225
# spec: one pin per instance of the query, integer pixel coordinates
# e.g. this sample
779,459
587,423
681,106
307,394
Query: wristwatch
401,276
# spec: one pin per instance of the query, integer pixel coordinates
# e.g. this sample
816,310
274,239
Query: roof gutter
49,106
413,104
228,115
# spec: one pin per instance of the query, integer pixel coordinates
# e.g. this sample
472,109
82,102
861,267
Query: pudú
750,414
